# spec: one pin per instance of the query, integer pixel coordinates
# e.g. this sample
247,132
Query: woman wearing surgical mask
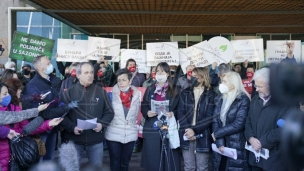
121,134
137,78
195,111
9,102
162,90
231,108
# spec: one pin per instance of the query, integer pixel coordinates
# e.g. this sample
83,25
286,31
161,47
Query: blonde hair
203,73
237,83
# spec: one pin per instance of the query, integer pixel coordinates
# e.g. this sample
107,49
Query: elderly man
94,104
261,130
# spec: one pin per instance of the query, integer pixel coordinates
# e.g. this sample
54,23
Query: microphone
33,125
157,125
281,123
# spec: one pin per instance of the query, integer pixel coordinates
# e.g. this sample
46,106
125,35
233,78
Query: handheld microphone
157,125
281,123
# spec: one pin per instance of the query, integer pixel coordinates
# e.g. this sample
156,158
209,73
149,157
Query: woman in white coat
121,134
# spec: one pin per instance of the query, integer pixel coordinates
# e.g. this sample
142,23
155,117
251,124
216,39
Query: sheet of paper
229,152
264,153
87,124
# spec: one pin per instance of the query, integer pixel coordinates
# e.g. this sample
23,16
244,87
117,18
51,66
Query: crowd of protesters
214,104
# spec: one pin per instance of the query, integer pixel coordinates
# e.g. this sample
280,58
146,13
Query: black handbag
24,151
13,165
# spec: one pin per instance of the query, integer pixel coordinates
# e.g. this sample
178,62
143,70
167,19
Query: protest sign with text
26,47
250,49
138,55
280,49
99,47
162,52
70,50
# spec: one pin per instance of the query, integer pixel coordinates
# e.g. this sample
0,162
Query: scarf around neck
161,90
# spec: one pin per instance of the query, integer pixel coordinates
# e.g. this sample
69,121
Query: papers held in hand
229,152
87,124
264,153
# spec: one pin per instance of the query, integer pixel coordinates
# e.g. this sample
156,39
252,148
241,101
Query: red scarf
126,98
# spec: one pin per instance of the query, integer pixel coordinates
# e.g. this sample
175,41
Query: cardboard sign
138,55
71,50
162,52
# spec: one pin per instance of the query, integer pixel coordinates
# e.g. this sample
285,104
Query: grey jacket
8,117
183,82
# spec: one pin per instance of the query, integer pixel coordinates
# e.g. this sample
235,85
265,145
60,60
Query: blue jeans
50,142
120,155
94,153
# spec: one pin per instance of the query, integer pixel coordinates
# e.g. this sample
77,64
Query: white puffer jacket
123,129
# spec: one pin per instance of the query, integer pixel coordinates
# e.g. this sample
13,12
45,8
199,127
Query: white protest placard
98,47
302,53
138,55
162,52
220,49
194,55
279,49
250,49
70,50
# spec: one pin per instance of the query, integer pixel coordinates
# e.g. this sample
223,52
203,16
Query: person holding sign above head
162,90
185,81
195,114
138,78
121,134
231,108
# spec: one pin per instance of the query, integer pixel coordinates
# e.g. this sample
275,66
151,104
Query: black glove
73,104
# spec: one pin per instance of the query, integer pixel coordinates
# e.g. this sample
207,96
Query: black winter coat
151,150
93,103
205,108
261,124
232,134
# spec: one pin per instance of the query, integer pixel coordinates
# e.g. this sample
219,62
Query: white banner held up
220,49
277,50
194,55
70,50
138,55
162,52
302,54
98,47
250,49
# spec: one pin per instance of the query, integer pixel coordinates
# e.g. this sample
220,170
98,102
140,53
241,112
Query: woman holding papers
195,112
231,108
121,134
162,90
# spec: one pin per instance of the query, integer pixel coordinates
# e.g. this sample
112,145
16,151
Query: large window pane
135,41
150,38
123,41
280,37
194,39
180,39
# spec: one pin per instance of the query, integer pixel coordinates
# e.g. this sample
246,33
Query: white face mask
161,78
49,69
223,88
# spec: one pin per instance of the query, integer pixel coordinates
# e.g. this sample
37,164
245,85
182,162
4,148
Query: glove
73,104
36,97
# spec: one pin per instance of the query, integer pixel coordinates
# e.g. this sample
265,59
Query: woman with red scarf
121,134
162,90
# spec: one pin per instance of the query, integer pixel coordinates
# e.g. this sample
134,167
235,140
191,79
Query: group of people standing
210,105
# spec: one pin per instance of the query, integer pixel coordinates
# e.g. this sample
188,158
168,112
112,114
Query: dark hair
172,92
13,85
7,74
124,71
236,65
130,60
250,66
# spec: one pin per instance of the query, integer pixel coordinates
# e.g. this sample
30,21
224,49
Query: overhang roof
177,16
